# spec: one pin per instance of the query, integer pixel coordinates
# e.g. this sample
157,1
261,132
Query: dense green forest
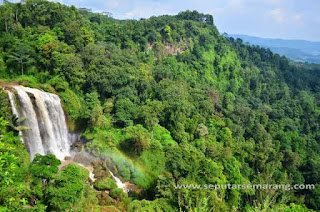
169,101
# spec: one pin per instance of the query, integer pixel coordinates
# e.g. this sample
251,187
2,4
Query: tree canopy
166,100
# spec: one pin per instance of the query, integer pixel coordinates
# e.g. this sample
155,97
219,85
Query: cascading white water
118,181
45,130
42,113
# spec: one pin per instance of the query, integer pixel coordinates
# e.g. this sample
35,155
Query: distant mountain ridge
298,50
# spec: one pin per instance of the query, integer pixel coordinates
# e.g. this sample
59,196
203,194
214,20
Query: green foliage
118,194
44,167
167,99
126,112
72,103
4,107
150,206
138,138
71,68
8,168
291,208
67,188
20,55
161,135
105,184
13,170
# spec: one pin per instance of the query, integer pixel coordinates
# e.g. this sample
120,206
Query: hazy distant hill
299,50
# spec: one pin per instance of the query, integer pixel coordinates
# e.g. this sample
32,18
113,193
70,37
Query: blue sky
288,19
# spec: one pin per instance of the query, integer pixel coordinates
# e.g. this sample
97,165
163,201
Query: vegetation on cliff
170,101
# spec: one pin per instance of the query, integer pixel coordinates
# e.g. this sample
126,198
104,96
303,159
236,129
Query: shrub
139,137
105,184
118,194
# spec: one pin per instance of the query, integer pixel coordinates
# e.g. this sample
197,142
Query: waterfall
118,181
42,114
43,126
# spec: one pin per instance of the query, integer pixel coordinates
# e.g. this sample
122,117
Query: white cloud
146,12
236,4
278,15
231,7
113,4
282,16
298,19
272,2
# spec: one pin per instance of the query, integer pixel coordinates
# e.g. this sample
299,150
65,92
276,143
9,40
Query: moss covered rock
105,184
118,193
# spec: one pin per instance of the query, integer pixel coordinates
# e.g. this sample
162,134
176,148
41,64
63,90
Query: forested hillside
168,100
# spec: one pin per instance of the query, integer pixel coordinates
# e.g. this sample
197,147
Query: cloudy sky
288,19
